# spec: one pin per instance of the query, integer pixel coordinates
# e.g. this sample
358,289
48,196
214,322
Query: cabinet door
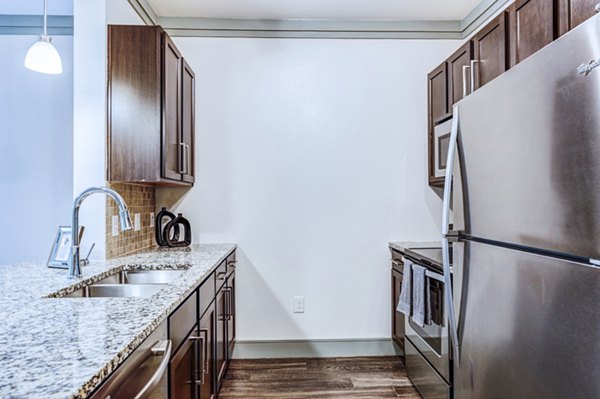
397,317
459,82
171,159
491,55
187,121
206,365
574,12
230,315
437,109
221,336
532,26
182,374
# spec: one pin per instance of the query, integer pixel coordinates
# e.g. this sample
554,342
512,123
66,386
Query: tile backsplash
140,199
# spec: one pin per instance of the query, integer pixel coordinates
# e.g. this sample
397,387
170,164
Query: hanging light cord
45,19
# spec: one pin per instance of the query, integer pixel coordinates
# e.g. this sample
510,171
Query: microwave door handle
452,149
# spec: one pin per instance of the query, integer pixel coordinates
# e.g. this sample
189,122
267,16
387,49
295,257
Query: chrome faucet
74,264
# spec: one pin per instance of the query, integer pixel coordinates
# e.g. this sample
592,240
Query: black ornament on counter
159,227
172,227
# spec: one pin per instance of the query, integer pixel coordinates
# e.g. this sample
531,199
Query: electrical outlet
137,222
298,304
151,219
115,226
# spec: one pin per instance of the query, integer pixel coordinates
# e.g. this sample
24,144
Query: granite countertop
402,246
65,347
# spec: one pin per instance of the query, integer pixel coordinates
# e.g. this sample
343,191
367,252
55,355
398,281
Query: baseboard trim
277,349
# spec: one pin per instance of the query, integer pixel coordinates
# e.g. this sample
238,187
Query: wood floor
358,377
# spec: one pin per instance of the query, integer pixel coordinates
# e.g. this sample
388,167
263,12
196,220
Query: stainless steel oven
441,141
428,355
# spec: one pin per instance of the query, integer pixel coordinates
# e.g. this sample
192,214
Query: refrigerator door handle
453,323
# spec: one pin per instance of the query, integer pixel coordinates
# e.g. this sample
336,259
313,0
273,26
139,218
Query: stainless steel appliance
143,375
427,348
441,140
524,162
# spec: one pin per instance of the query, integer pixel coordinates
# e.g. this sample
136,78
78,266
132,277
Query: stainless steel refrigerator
524,159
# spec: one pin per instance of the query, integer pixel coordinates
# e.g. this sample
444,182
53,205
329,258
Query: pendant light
42,56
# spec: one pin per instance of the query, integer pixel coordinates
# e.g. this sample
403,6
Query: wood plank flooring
357,377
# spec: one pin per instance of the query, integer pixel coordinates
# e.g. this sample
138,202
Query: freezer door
529,325
529,151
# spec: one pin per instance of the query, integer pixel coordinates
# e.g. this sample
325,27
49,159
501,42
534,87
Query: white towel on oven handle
419,301
405,301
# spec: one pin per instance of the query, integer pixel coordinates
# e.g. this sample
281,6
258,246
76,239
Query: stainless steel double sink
127,284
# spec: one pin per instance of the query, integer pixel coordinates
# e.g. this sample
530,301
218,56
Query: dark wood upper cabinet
437,109
150,108
459,82
491,51
533,25
573,12
188,123
438,93
172,62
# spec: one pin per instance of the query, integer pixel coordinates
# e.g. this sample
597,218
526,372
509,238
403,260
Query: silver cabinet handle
183,163
597,7
395,262
188,162
232,263
221,275
185,157
465,71
204,365
452,149
473,62
162,348
228,309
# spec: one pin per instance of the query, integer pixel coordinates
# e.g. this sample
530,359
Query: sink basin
141,277
116,290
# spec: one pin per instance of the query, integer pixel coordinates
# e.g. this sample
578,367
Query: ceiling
405,10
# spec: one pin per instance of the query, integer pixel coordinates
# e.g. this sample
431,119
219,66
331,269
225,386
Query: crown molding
275,28
33,24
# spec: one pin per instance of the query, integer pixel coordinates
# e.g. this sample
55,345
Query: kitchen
295,147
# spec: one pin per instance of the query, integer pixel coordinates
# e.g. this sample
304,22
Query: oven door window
433,333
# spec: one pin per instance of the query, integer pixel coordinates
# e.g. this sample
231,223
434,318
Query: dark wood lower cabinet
204,327
397,317
230,315
182,369
221,336
205,364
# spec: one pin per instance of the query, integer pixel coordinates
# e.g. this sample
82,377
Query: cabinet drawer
220,275
206,294
182,320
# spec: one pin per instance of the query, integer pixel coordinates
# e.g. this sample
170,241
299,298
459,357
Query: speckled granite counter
401,246
65,347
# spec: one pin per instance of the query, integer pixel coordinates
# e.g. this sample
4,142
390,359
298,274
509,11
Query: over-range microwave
441,141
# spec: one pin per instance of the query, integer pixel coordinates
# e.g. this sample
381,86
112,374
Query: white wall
90,20
311,155
36,127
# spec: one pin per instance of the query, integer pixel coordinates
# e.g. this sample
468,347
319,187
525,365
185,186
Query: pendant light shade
42,56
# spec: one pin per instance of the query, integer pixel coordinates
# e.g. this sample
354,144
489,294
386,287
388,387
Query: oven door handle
452,149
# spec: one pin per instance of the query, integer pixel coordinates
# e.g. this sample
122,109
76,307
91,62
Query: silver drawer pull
221,275
162,348
597,7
